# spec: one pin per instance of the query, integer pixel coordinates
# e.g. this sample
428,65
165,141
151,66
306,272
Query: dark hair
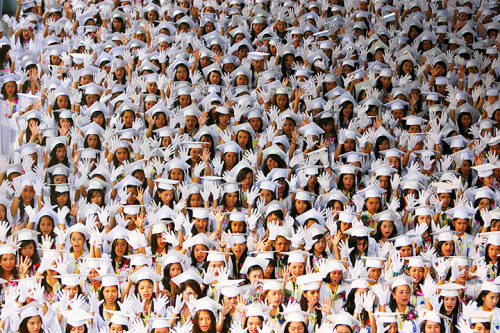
350,304
463,130
454,313
101,297
69,327
53,200
80,292
52,233
245,323
166,276
249,144
113,255
287,327
28,130
230,226
14,272
154,243
279,214
441,326
284,71
3,91
243,173
294,212
91,193
275,157
23,327
328,279
236,263
35,259
86,144
480,301
342,123
341,186
238,203
157,198
304,305
379,85
220,83
393,305
191,284
153,296
378,142
212,145
378,232
123,25
316,239
194,262
486,324
4,49
400,69
212,329
438,248
250,270
353,242
380,206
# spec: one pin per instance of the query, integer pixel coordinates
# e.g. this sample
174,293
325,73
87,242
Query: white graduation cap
77,317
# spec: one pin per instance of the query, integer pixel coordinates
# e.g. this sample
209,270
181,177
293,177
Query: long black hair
455,313
378,231
480,301
23,327
53,159
281,163
113,256
353,242
166,277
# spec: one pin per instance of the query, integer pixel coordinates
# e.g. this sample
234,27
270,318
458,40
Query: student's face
145,289
281,244
417,273
460,225
401,294
296,269
254,324
490,301
34,324
46,225
189,293
449,303
110,294
77,241
204,321
71,290
274,297
8,262
28,250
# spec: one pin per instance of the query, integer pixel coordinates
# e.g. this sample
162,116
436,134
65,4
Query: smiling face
199,252
8,262
254,324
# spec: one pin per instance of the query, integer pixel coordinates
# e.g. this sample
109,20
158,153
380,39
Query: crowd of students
251,166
